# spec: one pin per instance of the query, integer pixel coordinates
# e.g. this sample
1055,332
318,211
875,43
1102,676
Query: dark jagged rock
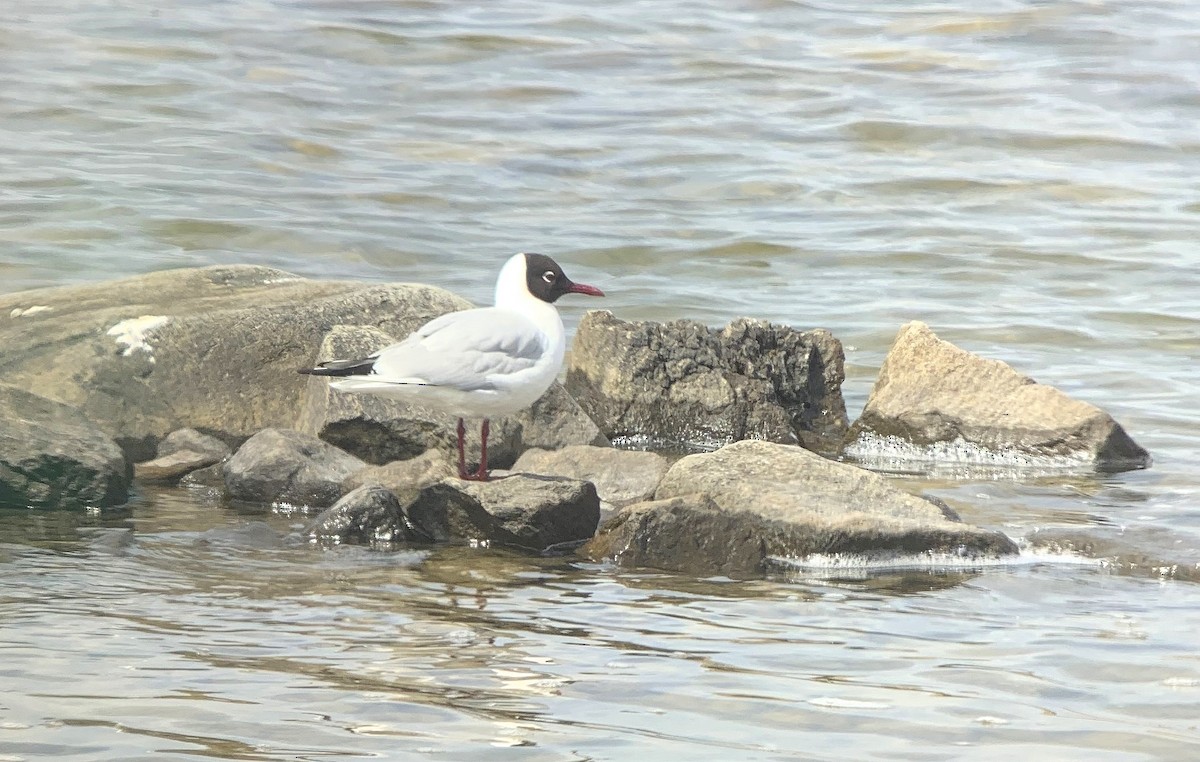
368,515
731,511
51,456
380,430
936,403
525,511
621,476
283,466
685,383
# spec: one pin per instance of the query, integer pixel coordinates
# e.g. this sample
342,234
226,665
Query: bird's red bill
583,288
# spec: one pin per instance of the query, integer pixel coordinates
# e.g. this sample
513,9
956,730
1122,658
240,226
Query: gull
481,362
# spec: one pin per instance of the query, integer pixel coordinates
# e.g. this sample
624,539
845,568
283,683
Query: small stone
524,511
405,478
368,515
621,476
174,466
190,440
284,466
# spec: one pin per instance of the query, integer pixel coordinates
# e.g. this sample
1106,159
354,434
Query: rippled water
1021,176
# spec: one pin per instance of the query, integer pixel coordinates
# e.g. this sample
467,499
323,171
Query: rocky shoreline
190,375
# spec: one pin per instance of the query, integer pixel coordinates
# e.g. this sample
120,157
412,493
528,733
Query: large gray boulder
530,512
283,466
213,348
936,403
51,456
735,510
380,430
621,476
684,383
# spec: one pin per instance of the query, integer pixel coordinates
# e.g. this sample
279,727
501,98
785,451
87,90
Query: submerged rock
520,510
51,456
181,453
621,476
380,430
934,402
283,466
368,515
685,383
734,510
214,348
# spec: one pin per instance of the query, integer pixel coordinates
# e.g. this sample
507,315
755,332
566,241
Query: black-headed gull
481,362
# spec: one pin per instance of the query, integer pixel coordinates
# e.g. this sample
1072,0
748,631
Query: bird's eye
548,276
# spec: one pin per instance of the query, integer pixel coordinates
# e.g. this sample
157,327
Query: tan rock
936,402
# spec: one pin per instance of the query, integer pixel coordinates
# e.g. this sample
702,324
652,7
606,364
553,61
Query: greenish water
1021,177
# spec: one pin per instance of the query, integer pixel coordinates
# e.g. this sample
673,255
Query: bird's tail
341,367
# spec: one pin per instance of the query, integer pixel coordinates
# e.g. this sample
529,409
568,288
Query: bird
481,362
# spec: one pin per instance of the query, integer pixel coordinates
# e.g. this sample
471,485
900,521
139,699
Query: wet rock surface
530,512
683,383
730,511
380,430
51,456
621,477
936,402
284,466
368,515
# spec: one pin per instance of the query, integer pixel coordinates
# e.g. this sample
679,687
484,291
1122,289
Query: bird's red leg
482,473
462,455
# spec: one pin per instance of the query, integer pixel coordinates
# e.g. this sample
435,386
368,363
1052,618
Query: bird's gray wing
466,350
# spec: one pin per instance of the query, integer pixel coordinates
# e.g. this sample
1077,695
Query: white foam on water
838,564
960,458
132,334
830,702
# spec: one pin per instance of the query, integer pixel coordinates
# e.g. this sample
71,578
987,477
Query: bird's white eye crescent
548,276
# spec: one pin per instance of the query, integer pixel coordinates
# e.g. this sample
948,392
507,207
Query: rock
934,402
283,466
380,430
405,478
190,440
181,453
368,515
171,468
685,383
525,511
689,534
214,348
621,476
51,456
734,510
212,478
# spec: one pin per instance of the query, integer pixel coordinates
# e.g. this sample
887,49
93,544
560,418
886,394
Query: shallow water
1021,177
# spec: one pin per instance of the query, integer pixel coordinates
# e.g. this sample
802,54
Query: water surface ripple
1021,176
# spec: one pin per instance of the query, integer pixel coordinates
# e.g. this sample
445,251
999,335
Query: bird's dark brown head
546,280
